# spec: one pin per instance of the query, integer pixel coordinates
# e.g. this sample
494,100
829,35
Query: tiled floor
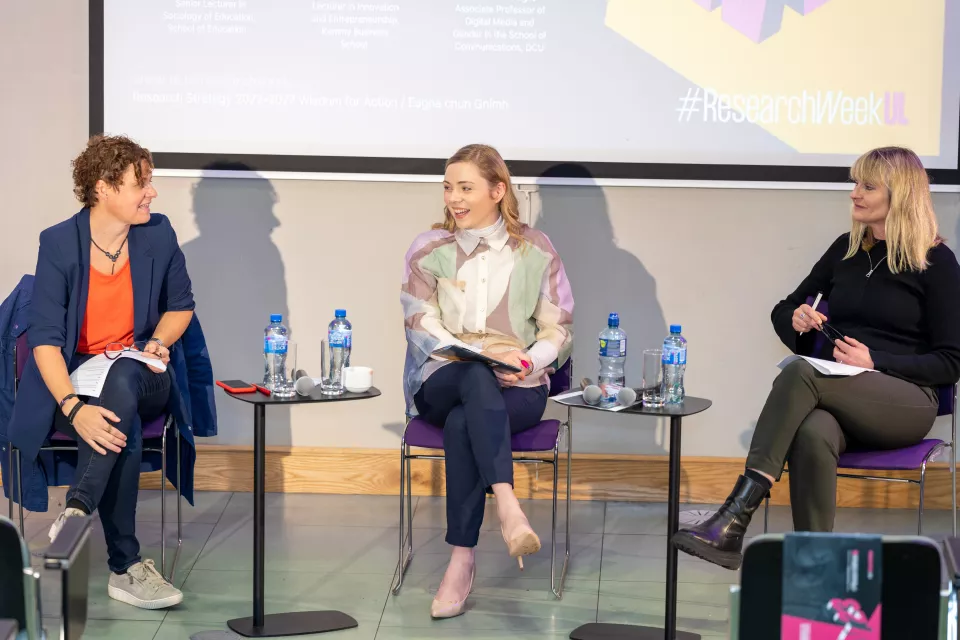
340,552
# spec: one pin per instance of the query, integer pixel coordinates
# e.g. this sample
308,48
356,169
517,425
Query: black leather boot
720,538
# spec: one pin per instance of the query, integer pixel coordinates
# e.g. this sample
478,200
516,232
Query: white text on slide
809,107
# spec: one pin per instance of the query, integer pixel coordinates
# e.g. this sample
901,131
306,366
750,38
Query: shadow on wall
605,279
238,281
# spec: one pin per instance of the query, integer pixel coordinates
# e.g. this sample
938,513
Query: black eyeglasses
114,349
831,333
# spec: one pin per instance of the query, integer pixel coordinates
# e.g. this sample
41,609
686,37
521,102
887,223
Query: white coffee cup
357,379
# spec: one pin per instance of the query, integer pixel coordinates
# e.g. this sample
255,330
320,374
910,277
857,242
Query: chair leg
923,477
406,519
557,587
409,506
398,581
766,513
19,487
953,459
10,488
553,523
176,554
953,482
163,501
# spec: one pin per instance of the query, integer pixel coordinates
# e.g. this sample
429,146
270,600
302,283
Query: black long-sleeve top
910,321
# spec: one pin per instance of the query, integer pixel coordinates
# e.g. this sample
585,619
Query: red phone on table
236,386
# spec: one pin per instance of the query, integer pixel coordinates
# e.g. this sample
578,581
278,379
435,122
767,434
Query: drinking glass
331,380
652,394
286,388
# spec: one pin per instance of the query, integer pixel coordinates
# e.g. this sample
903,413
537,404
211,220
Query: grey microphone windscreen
626,397
592,394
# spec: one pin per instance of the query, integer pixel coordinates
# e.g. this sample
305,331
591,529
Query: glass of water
652,394
330,371
286,388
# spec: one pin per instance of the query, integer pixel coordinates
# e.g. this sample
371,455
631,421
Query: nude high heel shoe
447,609
523,543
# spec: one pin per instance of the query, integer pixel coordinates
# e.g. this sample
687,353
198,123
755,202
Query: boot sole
691,545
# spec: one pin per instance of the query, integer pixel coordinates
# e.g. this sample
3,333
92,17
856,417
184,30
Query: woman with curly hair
108,279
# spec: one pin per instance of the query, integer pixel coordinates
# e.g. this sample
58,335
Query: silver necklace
873,268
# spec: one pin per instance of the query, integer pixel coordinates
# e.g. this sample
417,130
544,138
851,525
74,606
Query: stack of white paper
826,367
89,377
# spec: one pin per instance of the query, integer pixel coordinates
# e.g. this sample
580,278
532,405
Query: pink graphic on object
849,623
758,19
847,612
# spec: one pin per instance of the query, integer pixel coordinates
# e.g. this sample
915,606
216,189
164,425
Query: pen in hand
816,318
806,317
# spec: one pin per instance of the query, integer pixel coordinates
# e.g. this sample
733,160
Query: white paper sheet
826,367
89,377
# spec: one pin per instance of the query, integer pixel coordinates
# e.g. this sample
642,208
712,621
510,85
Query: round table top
690,406
315,396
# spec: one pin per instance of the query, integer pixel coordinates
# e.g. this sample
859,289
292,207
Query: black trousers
810,419
110,483
478,416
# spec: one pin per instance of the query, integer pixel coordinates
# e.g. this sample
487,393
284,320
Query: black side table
610,631
281,624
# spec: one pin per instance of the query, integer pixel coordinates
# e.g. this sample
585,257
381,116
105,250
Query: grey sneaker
58,523
143,586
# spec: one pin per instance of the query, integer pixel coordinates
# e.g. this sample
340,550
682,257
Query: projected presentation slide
715,82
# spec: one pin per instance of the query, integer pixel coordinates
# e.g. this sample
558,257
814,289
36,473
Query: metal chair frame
15,463
406,504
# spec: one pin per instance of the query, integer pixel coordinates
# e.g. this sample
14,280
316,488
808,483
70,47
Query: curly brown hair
107,158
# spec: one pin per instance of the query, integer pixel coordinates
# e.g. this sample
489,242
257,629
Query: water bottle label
339,339
275,344
674,356
613,348
348,339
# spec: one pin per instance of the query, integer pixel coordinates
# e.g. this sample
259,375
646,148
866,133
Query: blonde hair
911,224
494,170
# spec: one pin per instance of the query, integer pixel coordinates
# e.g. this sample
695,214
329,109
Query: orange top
109,314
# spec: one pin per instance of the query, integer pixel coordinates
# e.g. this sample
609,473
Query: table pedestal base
293,624
609,631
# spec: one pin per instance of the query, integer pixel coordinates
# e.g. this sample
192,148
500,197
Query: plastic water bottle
674,364
613,357
275,353
339,342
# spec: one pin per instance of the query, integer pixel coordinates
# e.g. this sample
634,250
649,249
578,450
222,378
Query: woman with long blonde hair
894,304
482,280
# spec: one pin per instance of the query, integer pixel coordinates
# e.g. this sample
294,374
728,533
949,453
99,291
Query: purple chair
912,458
154,441
543,438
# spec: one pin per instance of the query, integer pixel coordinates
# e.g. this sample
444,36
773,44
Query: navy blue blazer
160,284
